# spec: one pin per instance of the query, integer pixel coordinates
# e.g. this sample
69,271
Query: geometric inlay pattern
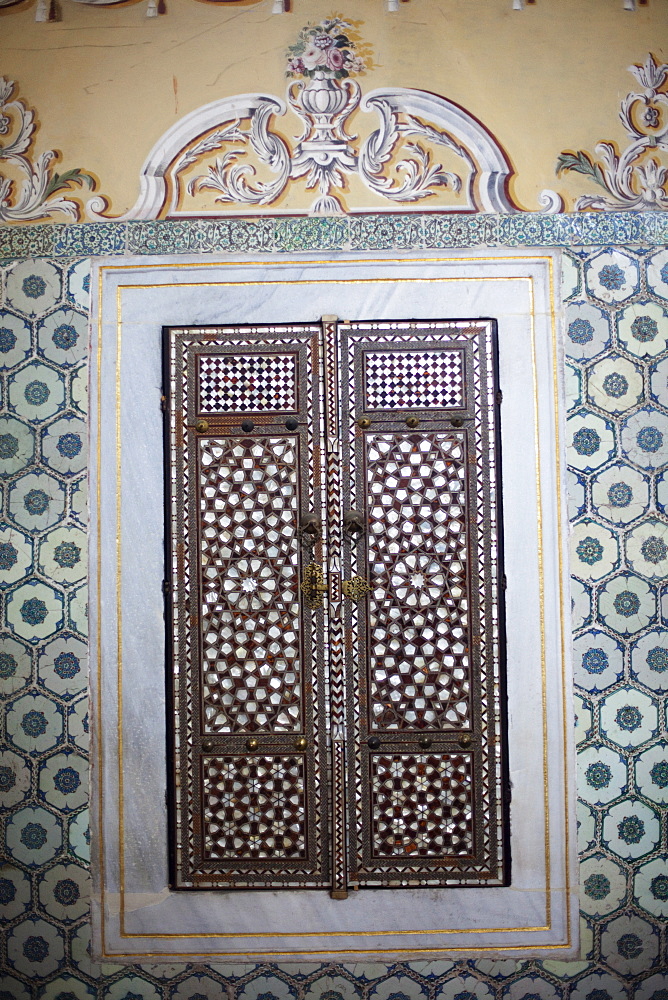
422,804
254,807
249,579
418,612
416,379
229,383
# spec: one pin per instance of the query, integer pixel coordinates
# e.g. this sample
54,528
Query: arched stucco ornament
254,166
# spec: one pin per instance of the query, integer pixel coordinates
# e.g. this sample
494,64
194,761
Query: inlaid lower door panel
424,664
246,663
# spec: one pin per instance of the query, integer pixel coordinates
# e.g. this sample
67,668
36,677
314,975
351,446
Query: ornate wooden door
335,605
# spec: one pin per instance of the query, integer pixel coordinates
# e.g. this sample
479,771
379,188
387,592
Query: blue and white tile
598,986
631,829
612,276
67,988
64,445
79,389
64,892
649,660
615,384
79,836
627,604
650,887
590,441
651,773
203,987
78,726
15,666
587,331
657,274
581,606
33,836
132,986
36,948
63,781
601,775
629,717
464,985
573,378
267,985
602,886
80,950
400,987
658,381
62,337
62,666
79,500
620,493
15,337
630,944
15,776
586,826
594,551
34,611
33,286
642,329
570,276
34,723
14,989
646,548
529,987
653,988
16,556
78,284
77,610
17,446
576,494
584,718
36,391
15,893
598,660
36,501
62,555
644,438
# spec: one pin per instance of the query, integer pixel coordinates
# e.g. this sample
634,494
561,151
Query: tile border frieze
288,234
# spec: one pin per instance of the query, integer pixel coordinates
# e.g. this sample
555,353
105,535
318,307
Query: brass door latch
313,586
356,588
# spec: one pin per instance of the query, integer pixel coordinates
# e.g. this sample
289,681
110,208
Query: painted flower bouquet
324,48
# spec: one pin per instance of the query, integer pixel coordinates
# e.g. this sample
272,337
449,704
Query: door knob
353,523
310,530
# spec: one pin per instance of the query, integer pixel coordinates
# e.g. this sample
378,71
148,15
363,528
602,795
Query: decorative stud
457,421
301,743
412,422
252,743
202,426
363,422
292,423
425,742
373,742
207,745
465,740
247,426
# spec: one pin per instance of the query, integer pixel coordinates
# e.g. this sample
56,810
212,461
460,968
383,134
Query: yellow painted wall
107,82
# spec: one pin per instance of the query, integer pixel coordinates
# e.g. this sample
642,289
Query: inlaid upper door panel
247,658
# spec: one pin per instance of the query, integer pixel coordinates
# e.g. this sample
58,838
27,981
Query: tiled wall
617,377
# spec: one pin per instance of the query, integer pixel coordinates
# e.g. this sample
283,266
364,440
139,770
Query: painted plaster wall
107,82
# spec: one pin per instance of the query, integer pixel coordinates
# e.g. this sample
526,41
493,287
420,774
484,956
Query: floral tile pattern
616,300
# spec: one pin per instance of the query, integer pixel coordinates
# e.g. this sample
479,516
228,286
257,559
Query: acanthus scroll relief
41,188
634,179
399,161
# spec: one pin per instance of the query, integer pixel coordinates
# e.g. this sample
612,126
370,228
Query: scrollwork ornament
636,179
41,188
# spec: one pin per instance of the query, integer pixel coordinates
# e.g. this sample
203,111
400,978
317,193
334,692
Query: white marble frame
135,915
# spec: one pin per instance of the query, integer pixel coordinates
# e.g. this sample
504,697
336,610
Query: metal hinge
507,795
499,397
166,587
163,404
504,582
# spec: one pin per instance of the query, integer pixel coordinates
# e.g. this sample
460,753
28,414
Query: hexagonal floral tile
612,276
36,501
620,493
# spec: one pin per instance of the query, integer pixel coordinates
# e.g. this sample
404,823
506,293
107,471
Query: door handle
313,586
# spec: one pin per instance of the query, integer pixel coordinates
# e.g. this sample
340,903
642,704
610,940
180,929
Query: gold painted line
541,605
353,933
313,956
119,608
432,280
301,262
98,491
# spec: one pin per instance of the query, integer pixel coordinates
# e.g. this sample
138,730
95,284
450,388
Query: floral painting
325,48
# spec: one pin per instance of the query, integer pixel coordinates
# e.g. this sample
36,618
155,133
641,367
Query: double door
334,602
